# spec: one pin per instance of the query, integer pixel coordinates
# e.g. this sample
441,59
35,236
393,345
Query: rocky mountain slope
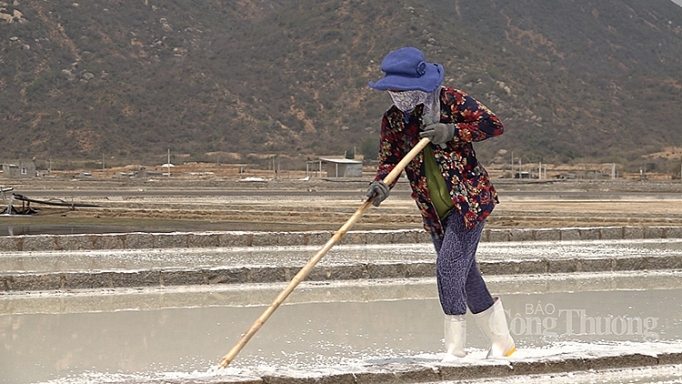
590,80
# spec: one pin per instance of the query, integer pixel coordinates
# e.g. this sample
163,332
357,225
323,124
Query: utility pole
275,166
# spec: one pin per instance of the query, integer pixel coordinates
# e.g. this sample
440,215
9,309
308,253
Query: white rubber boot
493,323
455,337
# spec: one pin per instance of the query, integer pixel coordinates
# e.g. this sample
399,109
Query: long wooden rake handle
227,359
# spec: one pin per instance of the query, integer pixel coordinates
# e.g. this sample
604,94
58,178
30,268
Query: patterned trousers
460,283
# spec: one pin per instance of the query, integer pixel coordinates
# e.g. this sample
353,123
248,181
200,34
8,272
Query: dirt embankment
326,204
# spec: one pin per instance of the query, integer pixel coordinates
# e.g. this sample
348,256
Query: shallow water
325,326
98,260
144,225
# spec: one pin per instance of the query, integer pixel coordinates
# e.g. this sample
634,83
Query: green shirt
438,191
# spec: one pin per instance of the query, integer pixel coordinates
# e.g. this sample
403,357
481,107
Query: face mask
406,101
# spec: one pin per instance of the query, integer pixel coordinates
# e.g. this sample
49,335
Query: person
450,187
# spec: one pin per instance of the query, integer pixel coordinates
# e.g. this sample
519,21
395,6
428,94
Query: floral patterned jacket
470,188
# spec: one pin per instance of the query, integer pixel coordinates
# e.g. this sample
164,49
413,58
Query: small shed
342,167
18,169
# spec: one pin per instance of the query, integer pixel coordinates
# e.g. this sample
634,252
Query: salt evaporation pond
182,332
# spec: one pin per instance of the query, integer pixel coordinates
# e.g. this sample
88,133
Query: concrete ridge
425,373
204,239
163,277
422,374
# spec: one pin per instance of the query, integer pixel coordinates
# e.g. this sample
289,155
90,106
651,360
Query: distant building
18,169
342,167
143,173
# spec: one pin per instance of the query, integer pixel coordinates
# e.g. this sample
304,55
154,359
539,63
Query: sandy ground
285,205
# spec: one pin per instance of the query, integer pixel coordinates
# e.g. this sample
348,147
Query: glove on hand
379,189
438,133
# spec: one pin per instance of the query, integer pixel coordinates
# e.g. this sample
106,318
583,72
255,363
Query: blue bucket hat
407,70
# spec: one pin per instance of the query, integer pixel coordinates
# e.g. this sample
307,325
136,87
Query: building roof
340,160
